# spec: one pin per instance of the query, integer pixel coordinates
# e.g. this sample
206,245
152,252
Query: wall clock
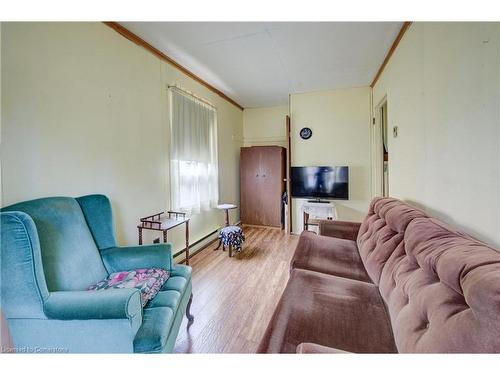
306,133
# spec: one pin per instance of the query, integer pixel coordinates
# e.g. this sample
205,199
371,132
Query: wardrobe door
262,171
271,185
249,185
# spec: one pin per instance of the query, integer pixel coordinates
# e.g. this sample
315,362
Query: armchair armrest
105,304
127,258
310,348
341,229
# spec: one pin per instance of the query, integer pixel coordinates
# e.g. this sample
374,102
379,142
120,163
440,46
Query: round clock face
306,133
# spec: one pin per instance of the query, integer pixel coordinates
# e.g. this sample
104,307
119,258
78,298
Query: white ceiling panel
261,63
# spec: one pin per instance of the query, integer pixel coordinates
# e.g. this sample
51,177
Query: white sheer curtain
193,153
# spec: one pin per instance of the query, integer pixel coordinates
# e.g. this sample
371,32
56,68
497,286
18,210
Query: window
193,153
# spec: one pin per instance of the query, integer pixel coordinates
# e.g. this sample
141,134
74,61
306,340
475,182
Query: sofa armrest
310,348
126,258
104,304
341,229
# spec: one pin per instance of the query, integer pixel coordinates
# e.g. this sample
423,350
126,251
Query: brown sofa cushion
330,311
329,255
443,291
311,348
382,231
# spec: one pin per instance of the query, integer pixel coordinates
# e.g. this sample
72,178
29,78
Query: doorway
385,150
380,150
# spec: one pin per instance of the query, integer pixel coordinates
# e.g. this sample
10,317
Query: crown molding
142,43
402,32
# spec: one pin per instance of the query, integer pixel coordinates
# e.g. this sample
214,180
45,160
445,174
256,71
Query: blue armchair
52,250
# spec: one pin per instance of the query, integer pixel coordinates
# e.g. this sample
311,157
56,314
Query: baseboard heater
204,238
200,241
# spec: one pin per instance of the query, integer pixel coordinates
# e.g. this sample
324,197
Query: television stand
317,200
319,210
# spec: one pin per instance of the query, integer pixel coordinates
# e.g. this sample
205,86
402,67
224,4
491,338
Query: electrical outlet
395,131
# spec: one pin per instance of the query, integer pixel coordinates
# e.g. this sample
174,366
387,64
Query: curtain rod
189,93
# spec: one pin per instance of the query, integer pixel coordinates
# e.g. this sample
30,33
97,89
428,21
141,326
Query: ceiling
259,64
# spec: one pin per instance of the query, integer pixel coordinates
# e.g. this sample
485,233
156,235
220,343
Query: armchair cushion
147,281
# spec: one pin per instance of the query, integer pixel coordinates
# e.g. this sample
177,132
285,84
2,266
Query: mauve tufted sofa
398,282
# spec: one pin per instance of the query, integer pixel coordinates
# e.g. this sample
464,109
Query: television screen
320,182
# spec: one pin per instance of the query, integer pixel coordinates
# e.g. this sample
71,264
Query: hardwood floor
234,298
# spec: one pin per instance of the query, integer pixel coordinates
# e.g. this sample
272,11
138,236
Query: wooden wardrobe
262,183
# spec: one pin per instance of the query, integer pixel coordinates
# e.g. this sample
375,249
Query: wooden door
262,184
271,185
249,187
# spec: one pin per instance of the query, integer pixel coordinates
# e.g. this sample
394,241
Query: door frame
378,148
288,168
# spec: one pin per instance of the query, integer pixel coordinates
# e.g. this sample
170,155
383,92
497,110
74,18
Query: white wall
84,110
443,91
265,126
340,122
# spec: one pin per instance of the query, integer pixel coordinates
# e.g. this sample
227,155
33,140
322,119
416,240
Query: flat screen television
320,182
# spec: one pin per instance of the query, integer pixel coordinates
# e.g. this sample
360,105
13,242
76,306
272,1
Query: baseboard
260,226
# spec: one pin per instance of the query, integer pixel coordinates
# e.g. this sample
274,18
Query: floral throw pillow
148,280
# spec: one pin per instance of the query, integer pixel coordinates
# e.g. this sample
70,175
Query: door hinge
373,121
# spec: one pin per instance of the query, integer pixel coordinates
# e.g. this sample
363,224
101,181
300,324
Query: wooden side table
164,224
226,207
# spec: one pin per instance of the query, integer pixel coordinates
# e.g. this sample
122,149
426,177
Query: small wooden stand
164,224
324,210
